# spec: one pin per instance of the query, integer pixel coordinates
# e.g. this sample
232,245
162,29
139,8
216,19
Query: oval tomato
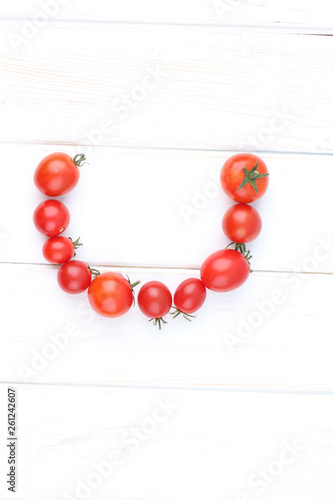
225,270
244,178
74,276
59,249
110,294
241,223
189,297
155,300
51,217
58,173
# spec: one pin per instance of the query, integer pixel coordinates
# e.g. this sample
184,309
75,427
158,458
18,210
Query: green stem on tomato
241,248
80,160
177,312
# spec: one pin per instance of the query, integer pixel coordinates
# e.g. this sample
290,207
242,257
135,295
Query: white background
229,76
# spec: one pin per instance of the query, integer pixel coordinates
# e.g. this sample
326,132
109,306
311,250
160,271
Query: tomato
189,297
58,173
58,250
111,294
74,276
241,223
51,217
244,178
155,301
225,270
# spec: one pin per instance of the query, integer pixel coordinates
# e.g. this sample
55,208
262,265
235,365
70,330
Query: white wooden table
237,405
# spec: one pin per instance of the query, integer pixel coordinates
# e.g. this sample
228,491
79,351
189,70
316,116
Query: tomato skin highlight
56,174
241,223
110,295
232,176
224,270
190,295
51,217
154,299
74,277
58,250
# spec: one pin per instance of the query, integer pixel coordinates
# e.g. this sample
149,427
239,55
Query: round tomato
189,297
224,270
58,173
244,178
241,223
155,301
74,276
51,217
111,294
58,250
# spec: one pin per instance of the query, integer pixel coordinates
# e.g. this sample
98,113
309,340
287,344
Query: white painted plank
246,338
164,208
208,438
221,88
276,12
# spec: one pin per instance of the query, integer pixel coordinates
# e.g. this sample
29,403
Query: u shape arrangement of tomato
244,179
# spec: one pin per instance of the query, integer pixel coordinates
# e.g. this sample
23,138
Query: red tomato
244,178
59,249
111,294
58,173
241,223
224,270
189,297
155,301
51,217
74,276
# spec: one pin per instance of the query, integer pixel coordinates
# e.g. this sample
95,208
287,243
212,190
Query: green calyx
76,243
158,321
251,177
94,272
79,160
132,285
241,248
178,312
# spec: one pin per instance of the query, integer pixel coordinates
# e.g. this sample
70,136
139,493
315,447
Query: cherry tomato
59,249
189,297
155,301
58,173
241,223
244,178
74,276
51,217
111,294
225,270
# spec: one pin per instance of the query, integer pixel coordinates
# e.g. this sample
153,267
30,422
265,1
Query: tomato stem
158,321
79,160
132,285
94,272
177,312
76,243
251,177
241,248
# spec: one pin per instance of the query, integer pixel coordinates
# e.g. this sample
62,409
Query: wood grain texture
248,12
209,437
243,339
215,88
156,208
